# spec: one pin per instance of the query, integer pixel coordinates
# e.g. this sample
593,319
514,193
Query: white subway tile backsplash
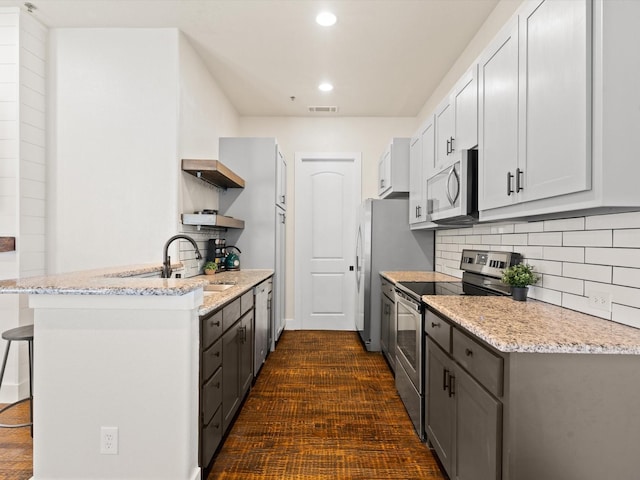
492,239
529,227
584,271
505,228
588,238
563,284
515,239
629,277
615,221
627,315
544,295
623,257
627,238
581,304
564,225
576,257
550,239
545,266
569,254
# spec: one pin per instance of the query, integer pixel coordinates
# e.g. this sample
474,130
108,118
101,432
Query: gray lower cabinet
226,370
463,411
388,323
210,421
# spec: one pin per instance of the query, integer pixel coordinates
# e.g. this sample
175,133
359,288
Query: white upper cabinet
457,121
393,170
535,109
498,129
416,189
555,99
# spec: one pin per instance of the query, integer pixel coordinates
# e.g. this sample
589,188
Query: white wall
22,174
113,146
369,135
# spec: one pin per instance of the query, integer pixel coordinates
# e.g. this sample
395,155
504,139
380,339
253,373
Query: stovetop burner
433,288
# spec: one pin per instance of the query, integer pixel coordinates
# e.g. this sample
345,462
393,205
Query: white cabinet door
416,189
498,125
429,167
444,133
465,103
281,179
555,98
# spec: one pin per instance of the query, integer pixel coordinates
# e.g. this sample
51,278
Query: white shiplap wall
577,257
22,172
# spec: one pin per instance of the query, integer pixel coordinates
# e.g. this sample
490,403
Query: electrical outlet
600,301
108,440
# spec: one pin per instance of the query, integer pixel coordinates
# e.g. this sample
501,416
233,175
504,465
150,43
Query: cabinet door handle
217,384
451,144
509,189
519,186
445,379
452,382
435,325
382,183
468,352
448,146
419,211
216,354
284,217
216,324
282,199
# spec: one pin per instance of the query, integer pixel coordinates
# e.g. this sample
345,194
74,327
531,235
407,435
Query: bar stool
15,335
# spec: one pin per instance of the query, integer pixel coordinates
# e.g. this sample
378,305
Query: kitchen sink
218,287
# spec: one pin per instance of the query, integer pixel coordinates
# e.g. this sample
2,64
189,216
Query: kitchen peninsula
116,350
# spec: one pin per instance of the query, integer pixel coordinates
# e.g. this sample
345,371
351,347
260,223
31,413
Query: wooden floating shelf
213,172
7,244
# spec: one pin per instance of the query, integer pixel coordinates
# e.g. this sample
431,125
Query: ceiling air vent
322,109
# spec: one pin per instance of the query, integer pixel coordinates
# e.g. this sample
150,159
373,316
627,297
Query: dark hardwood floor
322,408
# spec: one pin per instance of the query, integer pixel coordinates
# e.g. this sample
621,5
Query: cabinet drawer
211,328
211,437
481,363
211,397
211,359
438,329
388,289
246,302
230,314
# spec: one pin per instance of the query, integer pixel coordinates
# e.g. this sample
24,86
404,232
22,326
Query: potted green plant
519,277
210,268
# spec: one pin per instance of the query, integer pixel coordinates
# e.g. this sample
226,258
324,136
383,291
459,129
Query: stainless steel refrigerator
384,242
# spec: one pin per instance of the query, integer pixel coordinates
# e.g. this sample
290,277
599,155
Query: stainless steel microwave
452,194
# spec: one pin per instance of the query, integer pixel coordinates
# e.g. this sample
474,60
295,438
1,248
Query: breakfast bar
118,353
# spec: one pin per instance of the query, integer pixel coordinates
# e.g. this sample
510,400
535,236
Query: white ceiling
384,57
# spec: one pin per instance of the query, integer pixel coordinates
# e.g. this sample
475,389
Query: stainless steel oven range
481,276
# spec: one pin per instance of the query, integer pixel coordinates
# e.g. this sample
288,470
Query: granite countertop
534,326
124,281
418,276
244,281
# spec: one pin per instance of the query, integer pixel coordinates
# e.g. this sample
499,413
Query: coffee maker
217,252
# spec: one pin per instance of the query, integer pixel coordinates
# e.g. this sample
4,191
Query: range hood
211,220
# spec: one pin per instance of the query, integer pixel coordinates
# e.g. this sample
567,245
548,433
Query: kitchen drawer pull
468,352
435,325
215,324
217,385
509,189
445,379
216,354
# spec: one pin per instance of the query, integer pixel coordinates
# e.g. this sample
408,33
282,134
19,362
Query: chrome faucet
166,263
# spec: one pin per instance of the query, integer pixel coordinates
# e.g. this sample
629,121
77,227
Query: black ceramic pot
519,293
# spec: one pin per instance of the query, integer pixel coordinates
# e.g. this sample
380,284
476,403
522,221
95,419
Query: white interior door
327,190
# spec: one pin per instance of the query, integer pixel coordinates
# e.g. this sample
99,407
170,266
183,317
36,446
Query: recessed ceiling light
326,19
325,87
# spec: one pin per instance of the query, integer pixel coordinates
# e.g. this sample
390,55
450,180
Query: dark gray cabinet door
230,374
245,354
440,405
478,430
385,324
